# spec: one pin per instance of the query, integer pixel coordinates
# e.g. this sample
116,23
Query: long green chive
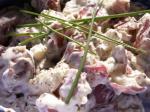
96,18
113,16
22,34
26,41
32,25
83,60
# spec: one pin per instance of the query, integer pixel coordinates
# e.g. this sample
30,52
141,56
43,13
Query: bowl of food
75,56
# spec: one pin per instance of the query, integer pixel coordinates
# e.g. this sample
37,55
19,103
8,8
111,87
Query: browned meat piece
103,94
143,35
55,47
119,53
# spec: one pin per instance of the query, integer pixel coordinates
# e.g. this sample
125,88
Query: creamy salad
37,76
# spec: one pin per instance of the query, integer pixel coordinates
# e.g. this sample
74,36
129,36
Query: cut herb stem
32,25
33,38
83,60
22,34
113,16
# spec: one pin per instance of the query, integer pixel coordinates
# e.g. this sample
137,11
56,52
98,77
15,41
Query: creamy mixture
37,77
